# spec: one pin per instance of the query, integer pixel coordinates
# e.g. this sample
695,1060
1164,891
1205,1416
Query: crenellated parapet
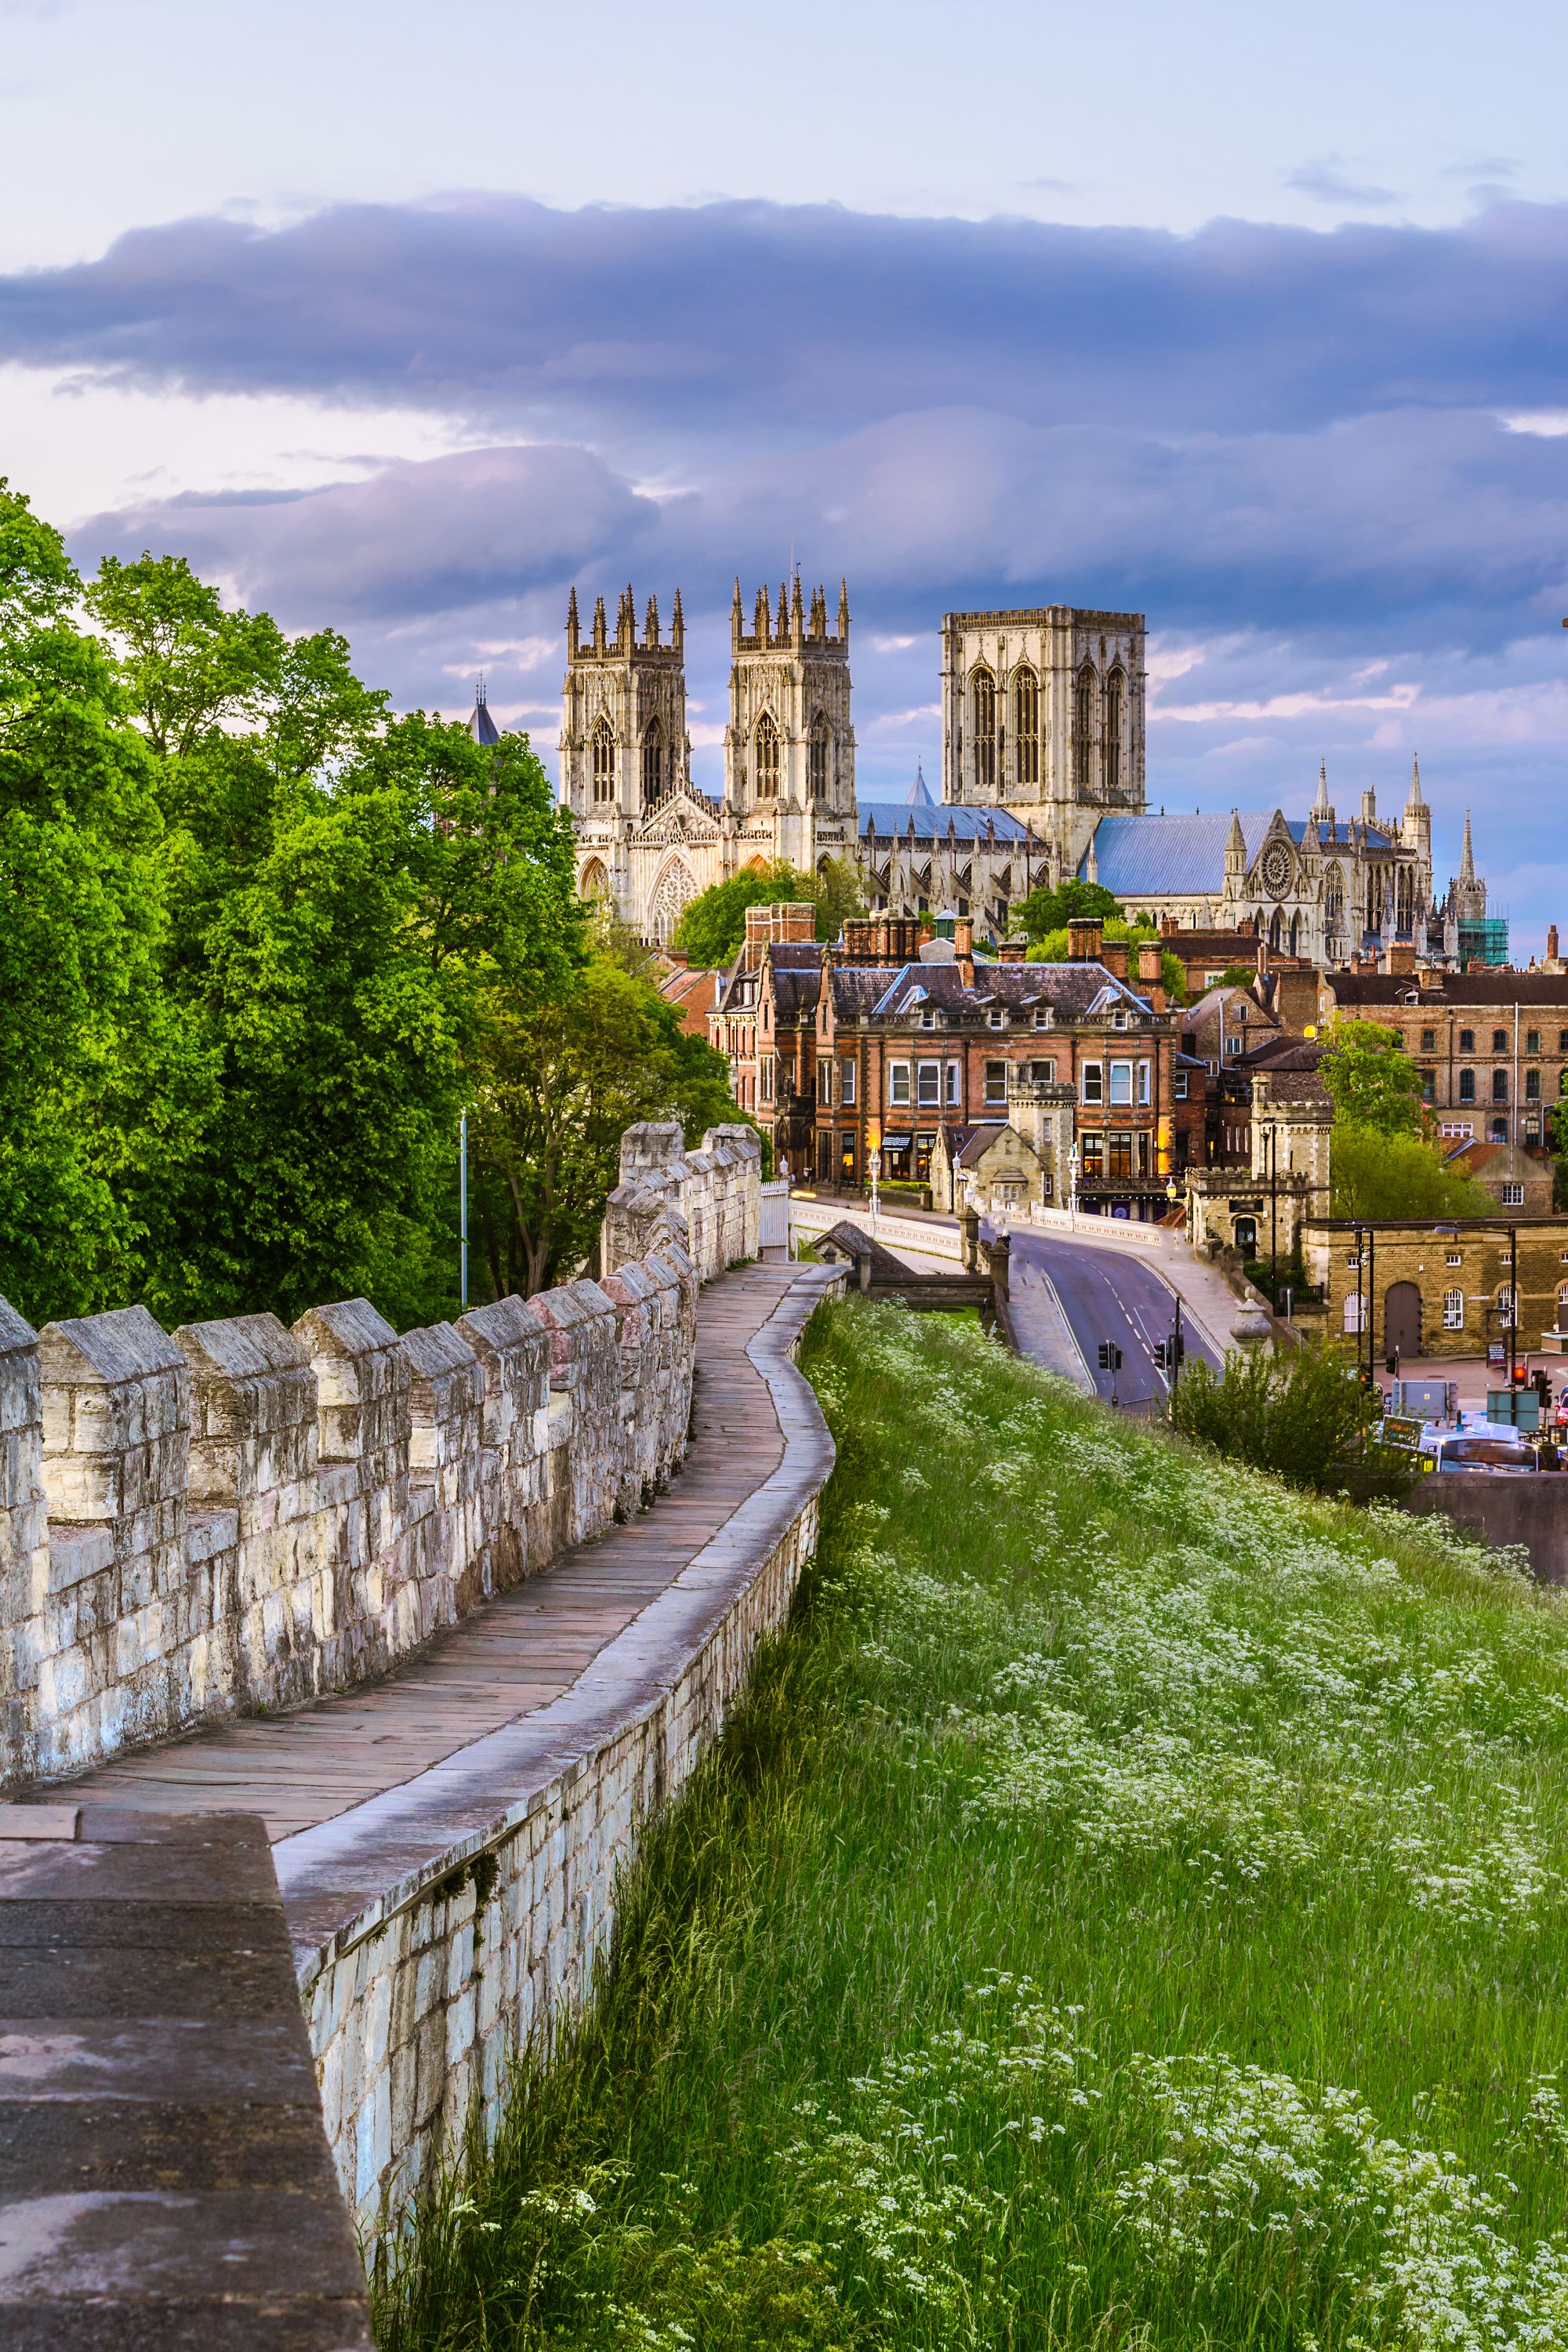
237,1516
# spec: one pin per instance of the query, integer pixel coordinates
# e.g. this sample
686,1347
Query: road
1106,1293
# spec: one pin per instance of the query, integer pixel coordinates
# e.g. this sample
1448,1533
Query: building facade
1492,1046
1440,1288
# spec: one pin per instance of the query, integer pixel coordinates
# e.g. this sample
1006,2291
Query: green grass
1129,1910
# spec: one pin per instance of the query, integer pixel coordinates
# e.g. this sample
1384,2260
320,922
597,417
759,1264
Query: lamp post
1072,1190
875,1164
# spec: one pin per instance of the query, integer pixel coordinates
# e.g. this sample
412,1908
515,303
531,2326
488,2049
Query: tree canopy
712,927
1044,911
1372,1082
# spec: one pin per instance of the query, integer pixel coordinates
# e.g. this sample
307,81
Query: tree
1300,1415
186,664
712,927
1044,911
1370,1081
838,895
1557,1124
1054,946
563,1077
1374,1174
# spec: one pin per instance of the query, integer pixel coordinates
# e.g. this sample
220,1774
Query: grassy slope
1130,1909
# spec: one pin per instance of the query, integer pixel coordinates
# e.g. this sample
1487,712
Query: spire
919,791
678,622
598,624
783,631
763,619
1468,861
481,726
1414,801
571,629
796,616
1235,840
650,627
737,619
1320,805
844,610
626,635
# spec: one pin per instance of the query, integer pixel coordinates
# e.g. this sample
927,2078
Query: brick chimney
1552,943
1014,950
793,921
1401,957
1113,956
759,930
1169,927
963,950
1150,980
1084,936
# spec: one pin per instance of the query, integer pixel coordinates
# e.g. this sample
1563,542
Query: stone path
511,1657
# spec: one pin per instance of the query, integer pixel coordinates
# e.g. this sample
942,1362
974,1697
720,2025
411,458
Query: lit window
1453,1310
1093,1083
897,1082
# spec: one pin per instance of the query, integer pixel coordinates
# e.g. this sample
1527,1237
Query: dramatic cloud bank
1330,468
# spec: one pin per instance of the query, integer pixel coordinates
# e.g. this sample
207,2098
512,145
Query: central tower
789,748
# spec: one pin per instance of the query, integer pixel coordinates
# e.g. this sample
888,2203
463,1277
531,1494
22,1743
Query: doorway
1402,1320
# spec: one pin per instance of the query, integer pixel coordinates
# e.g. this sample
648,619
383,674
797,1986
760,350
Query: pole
1512,1309
1371,1303
1176,1367
1274,1214
463,1211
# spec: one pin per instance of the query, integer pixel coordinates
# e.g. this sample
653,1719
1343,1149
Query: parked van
1493,1449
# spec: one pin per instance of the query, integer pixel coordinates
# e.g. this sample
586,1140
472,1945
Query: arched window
603,760
652,774
983,694
766,758
1453,1310
1082,726
1334,896
1505,1307
1277,931
1027,725
594,882
673,894
1374,900
1295,934
817,748
1404,899
1115,716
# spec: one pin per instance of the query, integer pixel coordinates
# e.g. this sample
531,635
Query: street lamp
1072,1189
875,1164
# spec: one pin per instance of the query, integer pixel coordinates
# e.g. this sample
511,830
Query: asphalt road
1105,1293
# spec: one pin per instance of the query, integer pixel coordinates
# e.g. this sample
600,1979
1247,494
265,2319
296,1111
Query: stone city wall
237,1516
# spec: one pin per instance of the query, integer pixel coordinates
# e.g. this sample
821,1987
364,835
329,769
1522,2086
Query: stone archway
594,882
673,892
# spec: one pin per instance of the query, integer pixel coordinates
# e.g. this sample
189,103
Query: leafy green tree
1557,1121
1372,1082
102,1080
1044,911
838,895
1374,1174
562,1077
712,927
1053,947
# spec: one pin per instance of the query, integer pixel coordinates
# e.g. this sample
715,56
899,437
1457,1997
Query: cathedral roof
481,726
1140,857
930,820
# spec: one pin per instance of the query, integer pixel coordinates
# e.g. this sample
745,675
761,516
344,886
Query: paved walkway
512,1656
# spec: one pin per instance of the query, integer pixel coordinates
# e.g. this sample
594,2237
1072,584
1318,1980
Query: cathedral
1042,779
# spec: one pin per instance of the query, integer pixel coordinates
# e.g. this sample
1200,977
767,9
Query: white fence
774,1231
942,1240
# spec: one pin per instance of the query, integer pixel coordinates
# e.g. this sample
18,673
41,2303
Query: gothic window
1082,726
1334,895
603,760
1115,713
983,688
766,758
675,890
594,882
1404,901
653,777
1375,901
1027,725
816,758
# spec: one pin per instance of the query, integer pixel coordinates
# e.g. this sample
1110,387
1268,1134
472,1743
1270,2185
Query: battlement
793,628
602,647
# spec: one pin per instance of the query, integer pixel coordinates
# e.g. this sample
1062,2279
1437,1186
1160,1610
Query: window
1178,1084
1093,1083
1042,1016
928,1085
954,1085
1453,1310
603,760
1466,1085
1562,1041
1119,1018
768,1078
1454,1258
1233,1045
1513,1196
897,1082
765,756
1144,1082
1532,1086
1428,1086
1082,726
1092,1152
928,1017
1428,1041
1499,1041
1505,1304
996,1020
825,1085
1533,1041
1467,1041
1499,1130
1027,726
1120,1156
1121,1085
1500,1085
652,764
1353,1311
846,1084
1115,708
1042,1074
816,760
982,702
995,1082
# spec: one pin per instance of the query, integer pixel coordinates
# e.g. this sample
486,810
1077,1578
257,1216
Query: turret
572,632
844,612
796,616
1468,856
737,619
1416,828
783,630
762,628
626,629
1322,809
678,622
1234,853
1369,805
650,627
599,633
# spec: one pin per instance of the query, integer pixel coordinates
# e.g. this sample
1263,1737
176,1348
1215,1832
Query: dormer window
1042,1016
928,1016
1119,1018
996,1020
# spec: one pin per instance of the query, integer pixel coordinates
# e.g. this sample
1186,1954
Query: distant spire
761,622
1236,840
1414,801
1468,860
1321,804
784,613
796,617
571,629
844,610
650,627
919,791
678,622
481,726
598,624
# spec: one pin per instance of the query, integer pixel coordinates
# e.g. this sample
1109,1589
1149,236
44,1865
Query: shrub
1302,1415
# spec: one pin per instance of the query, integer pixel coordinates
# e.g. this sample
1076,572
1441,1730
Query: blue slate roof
930,820
1139,856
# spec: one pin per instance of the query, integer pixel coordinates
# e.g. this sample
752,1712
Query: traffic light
1110,1355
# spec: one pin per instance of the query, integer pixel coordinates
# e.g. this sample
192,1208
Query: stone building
1440,1288
1006,1167
1261,1210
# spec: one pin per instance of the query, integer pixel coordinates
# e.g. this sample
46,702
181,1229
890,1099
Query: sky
401,320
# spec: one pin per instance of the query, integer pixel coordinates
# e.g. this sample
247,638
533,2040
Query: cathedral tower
623,713
789,748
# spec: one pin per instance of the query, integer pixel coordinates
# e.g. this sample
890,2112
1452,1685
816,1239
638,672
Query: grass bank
1129,1911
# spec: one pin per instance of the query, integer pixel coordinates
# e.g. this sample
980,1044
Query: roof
1491,989
481,726
935,820
875,992
695,993
1150,856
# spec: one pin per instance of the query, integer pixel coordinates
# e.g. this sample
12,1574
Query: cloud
749,321
1325,179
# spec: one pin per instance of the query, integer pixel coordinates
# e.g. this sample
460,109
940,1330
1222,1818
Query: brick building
1440,1288
883,1042
1492,1046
